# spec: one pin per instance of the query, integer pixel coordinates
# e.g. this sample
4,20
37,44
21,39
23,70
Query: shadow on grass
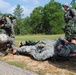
64,64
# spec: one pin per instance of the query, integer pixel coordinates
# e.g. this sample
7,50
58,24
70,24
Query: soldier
49,48
70,20
4,39
7,26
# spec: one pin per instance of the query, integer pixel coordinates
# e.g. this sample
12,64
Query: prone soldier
50,48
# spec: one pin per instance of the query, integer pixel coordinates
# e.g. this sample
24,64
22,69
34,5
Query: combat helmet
66,4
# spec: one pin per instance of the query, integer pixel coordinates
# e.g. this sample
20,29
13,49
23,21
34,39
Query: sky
8,6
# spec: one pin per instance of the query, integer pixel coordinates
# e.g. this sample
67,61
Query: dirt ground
46,67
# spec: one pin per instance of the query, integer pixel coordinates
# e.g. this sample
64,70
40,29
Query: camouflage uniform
67,49
70,19
46,49
4,39
8,28
41,51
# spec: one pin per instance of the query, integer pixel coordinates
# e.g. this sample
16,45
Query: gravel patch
6,69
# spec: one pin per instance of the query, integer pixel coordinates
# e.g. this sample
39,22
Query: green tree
36,20
73,2
1,13
74,6
46,20
53,18
18,12
26,28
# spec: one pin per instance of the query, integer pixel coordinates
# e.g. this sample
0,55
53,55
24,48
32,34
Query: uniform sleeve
8,24
73,12
45,54
67,17
65,51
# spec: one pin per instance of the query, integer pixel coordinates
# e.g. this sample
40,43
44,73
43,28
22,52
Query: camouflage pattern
2,31
46,49
3,48
8,28
70,27
41,51
5,44
67,49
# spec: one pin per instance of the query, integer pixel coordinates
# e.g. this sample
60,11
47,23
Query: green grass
17,63
36,37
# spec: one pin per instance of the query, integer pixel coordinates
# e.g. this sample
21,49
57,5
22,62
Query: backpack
73,10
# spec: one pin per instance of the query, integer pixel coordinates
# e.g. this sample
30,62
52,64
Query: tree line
42,20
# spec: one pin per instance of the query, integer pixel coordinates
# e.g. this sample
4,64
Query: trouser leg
47,53
24,49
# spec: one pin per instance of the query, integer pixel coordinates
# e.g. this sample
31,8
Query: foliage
18,27
48,19
53,17
73,3
0,13
36,20
27,25
43,20
74,6
18,12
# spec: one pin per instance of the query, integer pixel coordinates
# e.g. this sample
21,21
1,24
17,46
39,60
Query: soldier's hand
66,41
72,55
2,25
59,47
14,52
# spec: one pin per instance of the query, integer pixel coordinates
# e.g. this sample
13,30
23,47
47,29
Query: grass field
35,37
46,67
